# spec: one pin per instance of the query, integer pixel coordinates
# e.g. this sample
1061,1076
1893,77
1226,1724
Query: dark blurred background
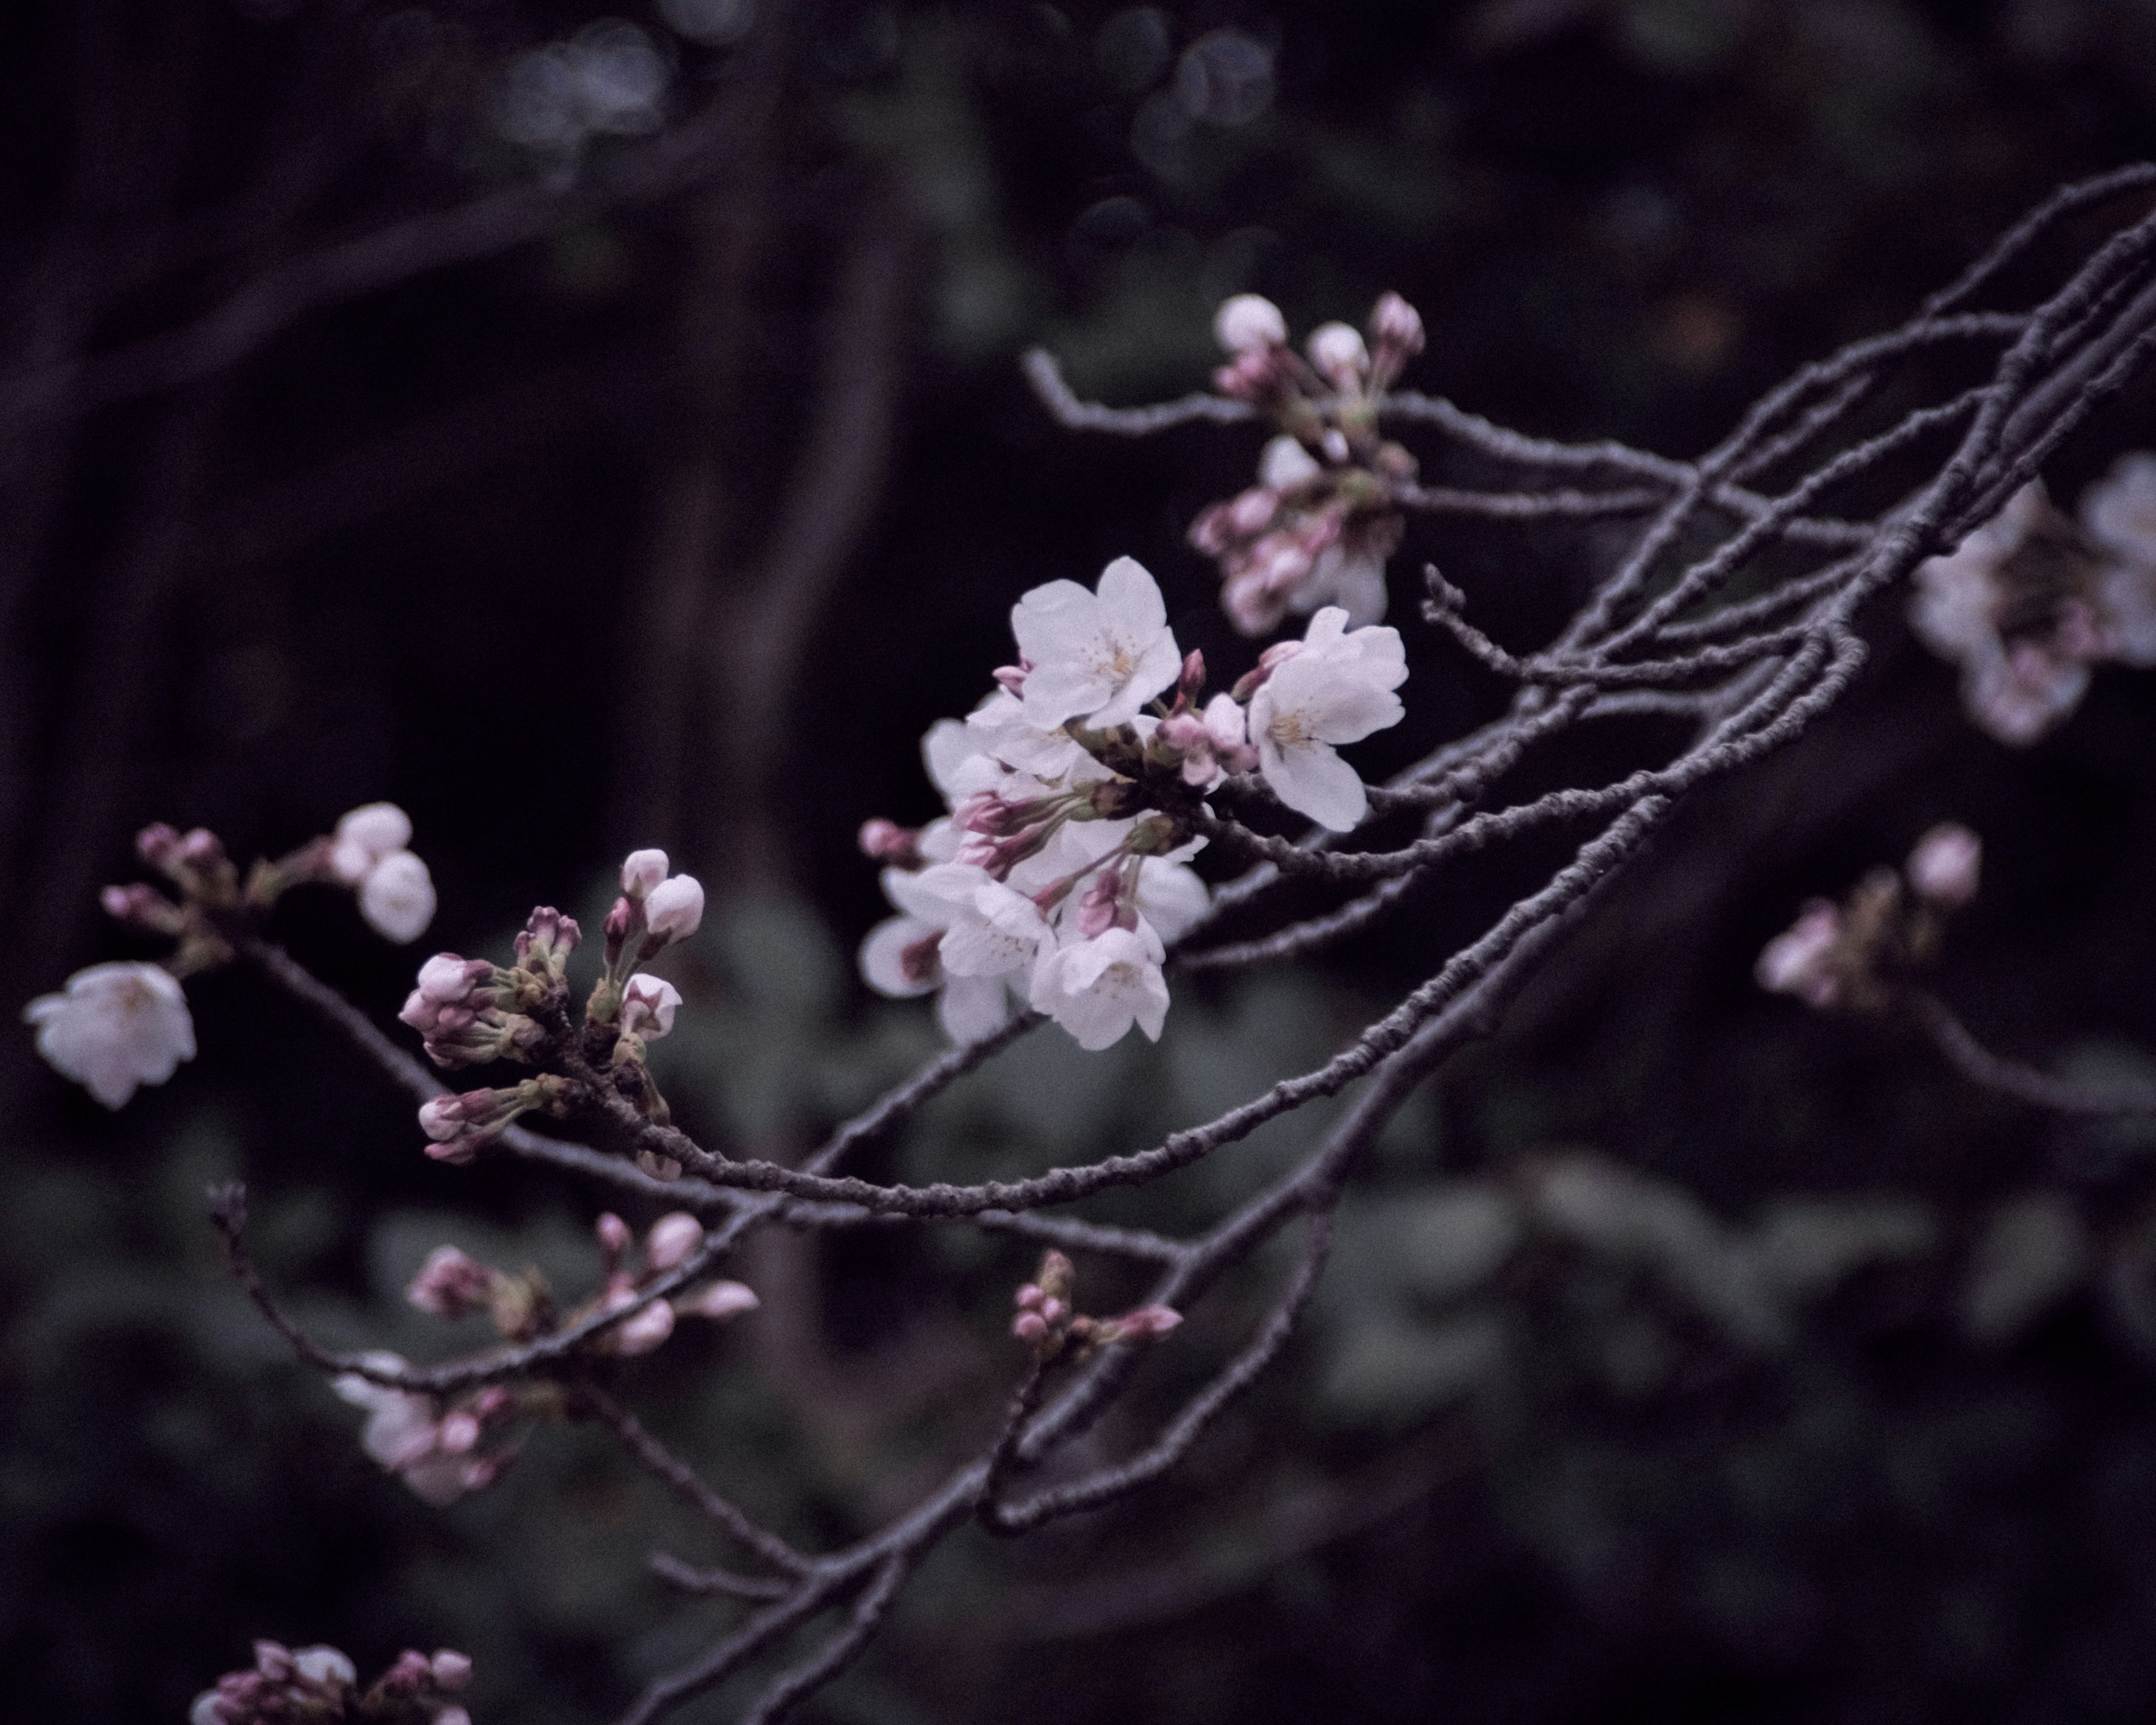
595,430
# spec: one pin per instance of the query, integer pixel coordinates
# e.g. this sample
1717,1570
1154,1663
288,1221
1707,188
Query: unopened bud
642,870
647,1330
674,908
450,1671
887,841
1945,866
613,1236
547,940
1249,322
1337,351
1148,1323
451,1284
1396,325
673,1238
142,907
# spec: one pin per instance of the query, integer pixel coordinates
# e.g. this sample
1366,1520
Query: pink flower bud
672,1239
1395,324
457,1435
1801,961
419,1011
451,1284
1252,512
442,1117
1337,351
451,1670
201,848
1945,866
447,977
717,1301
642,870
273,1659
674,908
887,841
1027,1297
158,845
1029,1326
613,1234
1012,677
452,1716
1248,322
547,940
648,1329
1148,1323
1052,1309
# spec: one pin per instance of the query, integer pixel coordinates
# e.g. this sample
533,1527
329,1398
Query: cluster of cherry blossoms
1059,878
1317,527
1049,1323
2027,603
317,1686
1850,956
118,1025
443,1450
472,1011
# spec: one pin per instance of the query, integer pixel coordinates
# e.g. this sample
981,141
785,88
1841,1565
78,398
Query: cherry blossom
1336,690
647,1005
1802,960
397,898
364,837
1097,988
1099,655
117,1026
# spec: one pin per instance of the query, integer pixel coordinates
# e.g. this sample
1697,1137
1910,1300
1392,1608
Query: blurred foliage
1683,1355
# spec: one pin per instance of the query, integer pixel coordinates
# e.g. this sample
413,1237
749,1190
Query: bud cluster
1049,1323
2031,600
1320,524
302,1686
1853,956
670,1243
1058,879
120,1025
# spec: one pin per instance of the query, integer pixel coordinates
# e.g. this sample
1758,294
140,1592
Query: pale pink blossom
451,1284
716,1301
674,907
1945,865
641,871
115,1026
1249,322
1337,354
1097,988
1336,690
1099,656
364,837
1284,463
397,898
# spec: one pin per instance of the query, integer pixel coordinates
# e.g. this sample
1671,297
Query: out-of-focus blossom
397,898
1944,867
115,1026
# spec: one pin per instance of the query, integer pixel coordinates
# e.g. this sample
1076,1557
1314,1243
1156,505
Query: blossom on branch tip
1099,655
1338,356
674,907
1338,689
397,898
1097,988
115,1026
641,871
404,1432
673,1239
364,837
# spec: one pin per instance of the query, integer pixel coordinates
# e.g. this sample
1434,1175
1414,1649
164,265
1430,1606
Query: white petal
1313,781
1171,897
882,956
973,1006
397,897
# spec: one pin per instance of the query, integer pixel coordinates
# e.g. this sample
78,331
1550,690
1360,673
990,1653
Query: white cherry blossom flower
365,835
1100,656
1171,898
1097,988
397,898
647,1005
1338,689
117,1026
904,956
